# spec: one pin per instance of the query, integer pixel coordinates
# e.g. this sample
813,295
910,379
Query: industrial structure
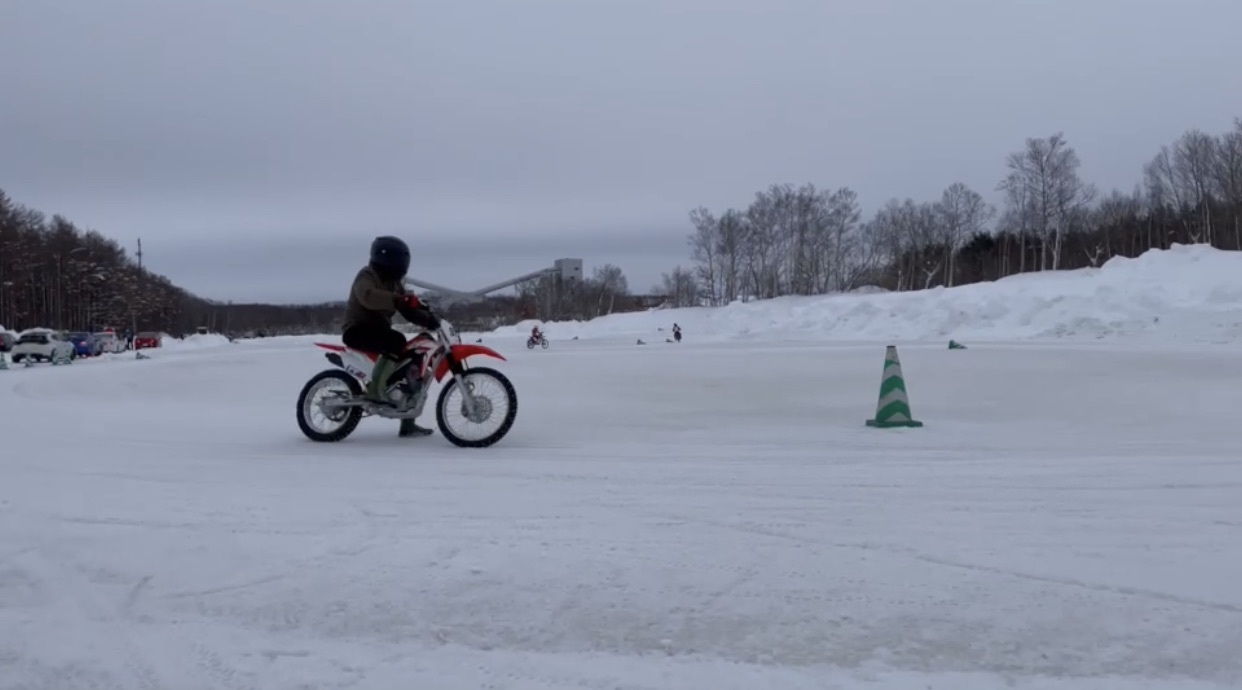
566,272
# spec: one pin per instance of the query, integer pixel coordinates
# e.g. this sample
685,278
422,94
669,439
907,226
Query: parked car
43,344
145,340
85,344
109,342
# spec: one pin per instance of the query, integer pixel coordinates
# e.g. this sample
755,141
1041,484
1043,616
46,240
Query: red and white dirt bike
337,394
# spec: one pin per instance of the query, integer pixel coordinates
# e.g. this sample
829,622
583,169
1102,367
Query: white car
108,342
43,344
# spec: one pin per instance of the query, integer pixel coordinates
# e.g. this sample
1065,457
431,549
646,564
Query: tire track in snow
85,597
362,542
955,563
120,617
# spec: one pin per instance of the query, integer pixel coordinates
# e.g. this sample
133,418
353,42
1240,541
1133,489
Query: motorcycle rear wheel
345,420
478,375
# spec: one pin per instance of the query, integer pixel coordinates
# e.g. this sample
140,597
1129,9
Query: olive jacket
372,300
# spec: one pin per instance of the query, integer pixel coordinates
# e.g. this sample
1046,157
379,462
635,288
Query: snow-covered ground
709,515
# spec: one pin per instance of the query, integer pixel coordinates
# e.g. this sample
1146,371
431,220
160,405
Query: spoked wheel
324,424
544,343
530,344
495,408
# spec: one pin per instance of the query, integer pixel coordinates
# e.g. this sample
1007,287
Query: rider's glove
417,313
429,320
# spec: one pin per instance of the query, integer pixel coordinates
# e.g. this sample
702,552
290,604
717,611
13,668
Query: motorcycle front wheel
495,408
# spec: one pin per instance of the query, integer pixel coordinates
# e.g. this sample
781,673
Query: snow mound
196,341
1190,293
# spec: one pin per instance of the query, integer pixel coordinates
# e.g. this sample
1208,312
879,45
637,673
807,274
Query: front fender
461,353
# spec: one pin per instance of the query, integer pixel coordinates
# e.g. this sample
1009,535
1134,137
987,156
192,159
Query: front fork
458,370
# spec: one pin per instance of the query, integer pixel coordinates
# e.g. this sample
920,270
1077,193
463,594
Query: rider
535,334
377,294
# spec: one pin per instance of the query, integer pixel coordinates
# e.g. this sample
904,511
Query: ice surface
705,515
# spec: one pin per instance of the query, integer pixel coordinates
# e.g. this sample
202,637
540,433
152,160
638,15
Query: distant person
377,294
535,334
676,332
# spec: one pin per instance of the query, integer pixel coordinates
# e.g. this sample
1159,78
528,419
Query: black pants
375,338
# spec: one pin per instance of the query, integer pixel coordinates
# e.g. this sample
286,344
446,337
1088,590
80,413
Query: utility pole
133,311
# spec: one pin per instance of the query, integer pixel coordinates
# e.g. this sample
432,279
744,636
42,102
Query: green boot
379,376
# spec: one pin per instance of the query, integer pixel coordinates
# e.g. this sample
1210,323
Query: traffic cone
954,345
893,408
4,361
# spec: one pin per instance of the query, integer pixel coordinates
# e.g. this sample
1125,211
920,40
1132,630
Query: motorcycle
531,342
439,353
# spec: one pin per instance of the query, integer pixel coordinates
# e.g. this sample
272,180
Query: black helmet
390,257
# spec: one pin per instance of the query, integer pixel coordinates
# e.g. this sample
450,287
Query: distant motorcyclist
676,332
377,294
535,334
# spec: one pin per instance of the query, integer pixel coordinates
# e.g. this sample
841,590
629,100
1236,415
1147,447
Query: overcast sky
257,146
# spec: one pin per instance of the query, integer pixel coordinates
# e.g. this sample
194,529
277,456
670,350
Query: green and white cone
893,408
954,345
4,361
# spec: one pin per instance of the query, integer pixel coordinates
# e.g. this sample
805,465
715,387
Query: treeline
806,241
54,274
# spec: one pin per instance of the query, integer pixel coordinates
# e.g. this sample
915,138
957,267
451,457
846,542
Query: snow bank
1191,293
196,341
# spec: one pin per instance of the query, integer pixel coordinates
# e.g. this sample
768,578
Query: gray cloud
292,129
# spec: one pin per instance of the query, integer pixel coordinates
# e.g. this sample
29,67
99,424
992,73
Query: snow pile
1191,293
196,341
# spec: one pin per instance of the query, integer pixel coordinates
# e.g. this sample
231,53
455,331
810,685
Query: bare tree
1228,174
681,288
849,256
731,234
705,248
963,213
1044,179
609,284
1194,165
